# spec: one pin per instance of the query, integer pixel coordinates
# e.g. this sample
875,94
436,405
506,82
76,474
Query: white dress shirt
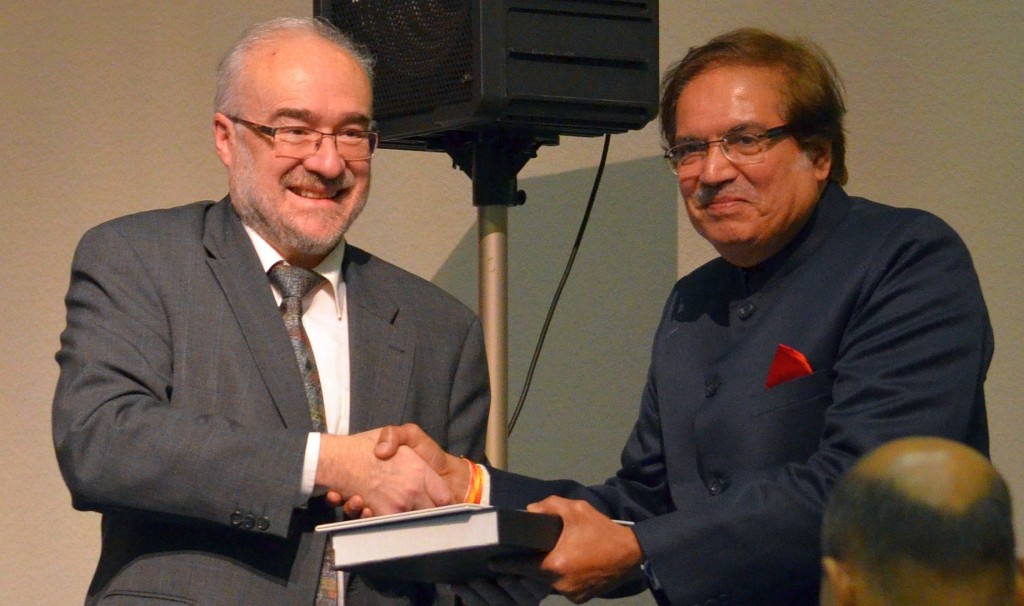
325,319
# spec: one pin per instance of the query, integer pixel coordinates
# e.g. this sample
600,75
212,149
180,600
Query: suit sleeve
470,397
125,440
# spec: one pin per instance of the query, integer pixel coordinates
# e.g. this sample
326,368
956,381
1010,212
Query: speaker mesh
423,49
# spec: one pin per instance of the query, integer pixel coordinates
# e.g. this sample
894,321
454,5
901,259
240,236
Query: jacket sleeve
125,439
470,402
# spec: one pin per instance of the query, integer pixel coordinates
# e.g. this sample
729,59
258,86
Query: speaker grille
423,48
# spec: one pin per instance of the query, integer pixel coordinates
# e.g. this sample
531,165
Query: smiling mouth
717,202
723,201
316,195
311,187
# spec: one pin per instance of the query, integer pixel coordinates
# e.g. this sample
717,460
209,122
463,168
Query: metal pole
492,161
493,290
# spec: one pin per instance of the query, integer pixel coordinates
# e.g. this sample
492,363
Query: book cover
449,544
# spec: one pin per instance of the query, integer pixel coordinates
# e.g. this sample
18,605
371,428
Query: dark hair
873,523
813,97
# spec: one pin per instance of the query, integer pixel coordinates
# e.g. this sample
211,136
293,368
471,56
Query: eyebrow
742,126
304,115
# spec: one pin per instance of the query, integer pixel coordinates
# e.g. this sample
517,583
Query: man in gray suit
181,414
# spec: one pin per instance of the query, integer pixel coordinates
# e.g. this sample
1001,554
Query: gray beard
278,230
274,224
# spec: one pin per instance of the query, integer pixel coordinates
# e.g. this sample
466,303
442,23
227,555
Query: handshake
390,470
396,469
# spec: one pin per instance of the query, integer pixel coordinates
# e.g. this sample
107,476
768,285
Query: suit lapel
380,351
237,268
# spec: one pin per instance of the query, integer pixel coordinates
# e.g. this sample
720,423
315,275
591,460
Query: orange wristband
476,483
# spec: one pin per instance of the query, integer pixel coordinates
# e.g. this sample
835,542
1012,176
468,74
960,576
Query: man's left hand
593,555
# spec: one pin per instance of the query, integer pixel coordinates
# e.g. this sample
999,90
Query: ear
224,138
821,158
837,584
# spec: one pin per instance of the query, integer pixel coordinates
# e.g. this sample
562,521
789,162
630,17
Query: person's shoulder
894,226
153,222
363,268
152,237
877,242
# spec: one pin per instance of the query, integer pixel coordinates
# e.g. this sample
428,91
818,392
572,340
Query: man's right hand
401,481
392,443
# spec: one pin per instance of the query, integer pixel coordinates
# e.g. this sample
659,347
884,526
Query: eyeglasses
299,143
746,146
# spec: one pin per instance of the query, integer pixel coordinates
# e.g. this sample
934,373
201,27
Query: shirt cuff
309,464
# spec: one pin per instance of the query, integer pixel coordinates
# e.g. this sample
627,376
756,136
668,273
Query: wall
108,108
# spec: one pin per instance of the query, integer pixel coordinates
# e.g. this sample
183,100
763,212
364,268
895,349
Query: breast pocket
791,416
796,392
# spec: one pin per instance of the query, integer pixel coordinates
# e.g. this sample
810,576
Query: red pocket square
788,364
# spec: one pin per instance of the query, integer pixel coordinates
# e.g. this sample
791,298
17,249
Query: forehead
296,73
724,97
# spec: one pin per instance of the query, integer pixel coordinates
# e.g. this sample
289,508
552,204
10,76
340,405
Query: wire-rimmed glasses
744,146
299,142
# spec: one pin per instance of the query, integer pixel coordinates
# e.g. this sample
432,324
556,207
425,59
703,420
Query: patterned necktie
294,284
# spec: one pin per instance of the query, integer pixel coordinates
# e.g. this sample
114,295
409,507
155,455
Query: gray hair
227,98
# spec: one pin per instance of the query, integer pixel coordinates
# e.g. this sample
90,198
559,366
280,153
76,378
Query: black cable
561,285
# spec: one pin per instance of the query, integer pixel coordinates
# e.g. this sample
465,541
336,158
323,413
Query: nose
326,161
717,168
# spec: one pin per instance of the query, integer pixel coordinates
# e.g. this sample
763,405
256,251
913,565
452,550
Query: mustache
706,194
303,179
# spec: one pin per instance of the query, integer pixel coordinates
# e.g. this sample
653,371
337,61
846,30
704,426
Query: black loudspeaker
531,68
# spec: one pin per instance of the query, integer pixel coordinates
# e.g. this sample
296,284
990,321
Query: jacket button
263,523
248,521
746,309
716,485
236,518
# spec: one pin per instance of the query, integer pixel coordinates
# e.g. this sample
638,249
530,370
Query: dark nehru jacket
727,478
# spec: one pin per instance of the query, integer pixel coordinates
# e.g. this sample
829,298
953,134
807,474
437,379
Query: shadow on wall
586,389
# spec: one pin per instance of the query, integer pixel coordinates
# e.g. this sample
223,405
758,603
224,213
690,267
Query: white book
448,544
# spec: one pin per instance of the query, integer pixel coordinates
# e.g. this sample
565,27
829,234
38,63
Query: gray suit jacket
180,414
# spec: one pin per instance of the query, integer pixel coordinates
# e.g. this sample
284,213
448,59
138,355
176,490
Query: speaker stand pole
492,160
492,276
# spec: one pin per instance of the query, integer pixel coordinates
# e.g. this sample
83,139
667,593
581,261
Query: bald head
940,473
920,521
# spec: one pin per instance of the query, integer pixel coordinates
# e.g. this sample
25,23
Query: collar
830,210
329,268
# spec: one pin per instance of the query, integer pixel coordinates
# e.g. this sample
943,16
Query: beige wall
108,110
